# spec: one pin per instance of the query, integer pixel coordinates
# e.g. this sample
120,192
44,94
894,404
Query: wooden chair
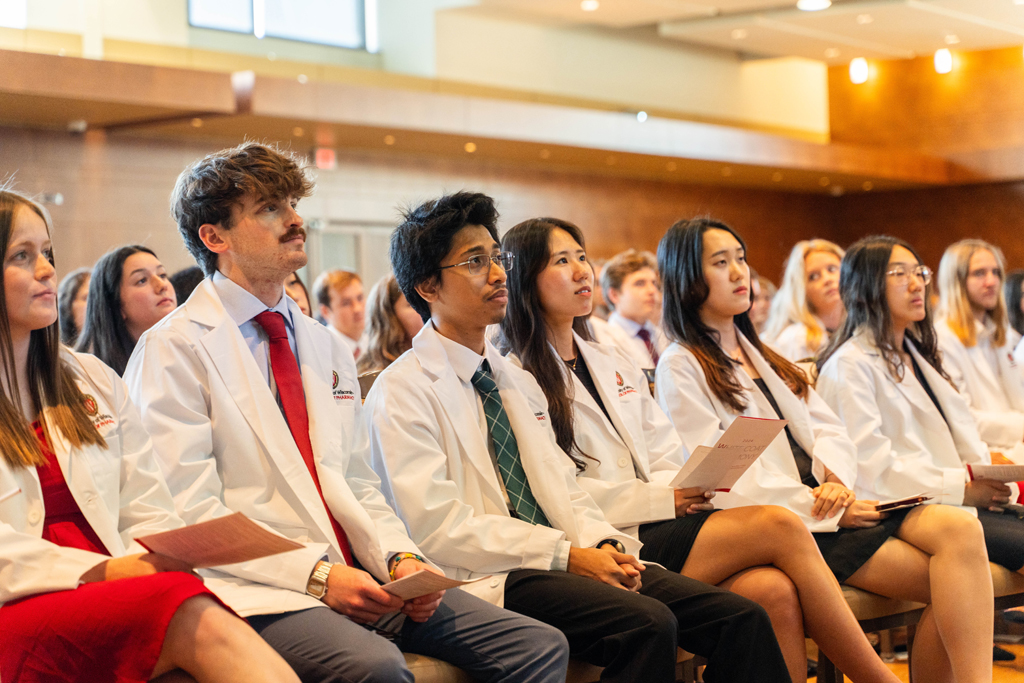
877,613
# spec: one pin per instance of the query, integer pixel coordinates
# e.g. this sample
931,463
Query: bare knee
773,590
956,528
778,522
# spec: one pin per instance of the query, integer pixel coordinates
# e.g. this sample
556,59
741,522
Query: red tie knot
272,323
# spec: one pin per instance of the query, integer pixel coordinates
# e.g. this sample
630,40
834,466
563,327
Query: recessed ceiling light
298,132
813,5
943,61
864,19
389,140
641,116
952,39
858,70
470,147
589,5
302,78
197,122
832,53
738,33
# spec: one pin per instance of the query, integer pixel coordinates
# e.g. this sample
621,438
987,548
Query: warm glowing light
641,116
813,5
832,52
197,123
858,70
864,19
470,147
589,5
298,132
738,33
952,39
389,140
943,61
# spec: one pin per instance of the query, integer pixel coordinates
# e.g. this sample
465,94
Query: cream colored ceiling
875,29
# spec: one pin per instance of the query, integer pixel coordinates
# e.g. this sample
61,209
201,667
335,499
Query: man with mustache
255,408
463,440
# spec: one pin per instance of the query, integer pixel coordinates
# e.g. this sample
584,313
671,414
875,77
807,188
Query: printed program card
908,502
423,583
719,467
225,540
1004,473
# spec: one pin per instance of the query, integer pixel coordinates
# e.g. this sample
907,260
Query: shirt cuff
560,560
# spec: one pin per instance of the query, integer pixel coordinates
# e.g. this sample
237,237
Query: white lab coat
637,454
792,343
614,333
118,489
994,393
701,418
903,445
427,444
225,447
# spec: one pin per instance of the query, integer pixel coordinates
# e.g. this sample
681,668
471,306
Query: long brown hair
524,332
386,338
51,379
681,264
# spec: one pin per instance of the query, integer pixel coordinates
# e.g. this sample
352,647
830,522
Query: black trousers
634,635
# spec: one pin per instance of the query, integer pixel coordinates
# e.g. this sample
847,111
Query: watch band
613,543
397,559
317,584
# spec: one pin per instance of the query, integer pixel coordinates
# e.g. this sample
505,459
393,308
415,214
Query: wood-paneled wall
931,220
116,191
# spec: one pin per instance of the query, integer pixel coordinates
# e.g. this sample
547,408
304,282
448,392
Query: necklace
572,363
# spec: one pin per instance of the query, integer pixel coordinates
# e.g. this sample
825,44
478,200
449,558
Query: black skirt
846,550
668,543
1004,538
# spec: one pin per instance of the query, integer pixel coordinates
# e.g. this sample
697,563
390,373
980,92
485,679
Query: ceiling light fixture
832,53
813,5
943,61
864,19
738,33
589,5
858,70
641,116
952,39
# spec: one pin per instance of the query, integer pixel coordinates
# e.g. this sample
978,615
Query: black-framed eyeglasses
478,263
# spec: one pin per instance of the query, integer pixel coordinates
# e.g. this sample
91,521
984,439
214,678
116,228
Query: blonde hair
954,305
790,303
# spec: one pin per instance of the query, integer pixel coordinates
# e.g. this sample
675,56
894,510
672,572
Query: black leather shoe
1001,655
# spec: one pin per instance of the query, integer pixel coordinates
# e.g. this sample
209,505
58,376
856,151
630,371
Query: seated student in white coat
914,555
977,346
626,453
1013,294
464,438
79,598
632,290
807,307
882,374
255,408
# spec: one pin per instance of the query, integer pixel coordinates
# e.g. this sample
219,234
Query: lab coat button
495,583
623,462
34,516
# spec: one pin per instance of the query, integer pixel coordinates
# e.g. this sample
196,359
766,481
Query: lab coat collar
251,393
602,365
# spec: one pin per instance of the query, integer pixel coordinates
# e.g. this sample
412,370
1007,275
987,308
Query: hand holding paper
423,583
1007,474
225,540
719,468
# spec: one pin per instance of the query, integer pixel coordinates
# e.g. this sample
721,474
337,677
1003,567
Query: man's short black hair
420,243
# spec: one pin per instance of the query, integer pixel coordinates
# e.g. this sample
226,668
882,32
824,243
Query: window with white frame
339,23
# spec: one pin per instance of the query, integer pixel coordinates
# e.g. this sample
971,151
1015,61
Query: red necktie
646,337
293,401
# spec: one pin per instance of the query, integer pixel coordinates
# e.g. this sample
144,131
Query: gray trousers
488,642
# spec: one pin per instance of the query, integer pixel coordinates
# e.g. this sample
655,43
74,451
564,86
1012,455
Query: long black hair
524,332
681,264
862,285
1011,290
66,294
105,333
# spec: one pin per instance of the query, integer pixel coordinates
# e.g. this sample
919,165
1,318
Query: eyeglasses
477,264
901,274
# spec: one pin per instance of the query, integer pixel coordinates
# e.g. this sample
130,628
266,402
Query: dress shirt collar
463,359
631,326
242,305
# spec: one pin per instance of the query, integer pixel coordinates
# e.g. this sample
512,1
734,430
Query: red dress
103,632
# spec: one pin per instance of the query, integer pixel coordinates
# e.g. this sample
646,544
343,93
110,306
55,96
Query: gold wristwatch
317,585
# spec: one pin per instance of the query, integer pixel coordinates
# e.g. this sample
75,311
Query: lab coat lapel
911,390
783,395
606,378
450,394
251,393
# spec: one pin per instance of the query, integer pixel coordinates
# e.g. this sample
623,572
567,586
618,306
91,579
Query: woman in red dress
80,600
